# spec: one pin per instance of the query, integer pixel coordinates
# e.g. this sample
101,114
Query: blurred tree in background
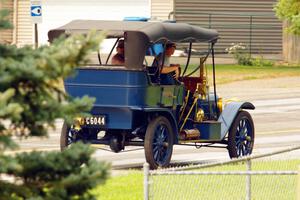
31,99
4,15
289,10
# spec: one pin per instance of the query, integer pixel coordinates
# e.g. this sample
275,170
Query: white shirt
160,60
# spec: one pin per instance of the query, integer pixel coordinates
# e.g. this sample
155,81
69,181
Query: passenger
119,57
169,68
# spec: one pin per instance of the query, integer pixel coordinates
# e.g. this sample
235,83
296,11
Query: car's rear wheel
71,135
241,135
158,143
66,137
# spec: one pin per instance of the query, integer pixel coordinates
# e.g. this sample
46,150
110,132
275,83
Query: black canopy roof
154,31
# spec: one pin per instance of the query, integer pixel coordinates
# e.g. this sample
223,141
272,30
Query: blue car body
137,104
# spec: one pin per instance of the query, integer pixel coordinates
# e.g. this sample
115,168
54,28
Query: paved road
277,102
276,118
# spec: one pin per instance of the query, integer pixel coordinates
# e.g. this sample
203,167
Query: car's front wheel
241,135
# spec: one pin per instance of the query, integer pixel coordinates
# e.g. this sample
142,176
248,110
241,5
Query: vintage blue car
136,106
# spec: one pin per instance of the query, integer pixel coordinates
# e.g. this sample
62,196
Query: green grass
130,186
123,187
231,73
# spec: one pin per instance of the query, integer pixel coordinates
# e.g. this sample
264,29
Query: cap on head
170,44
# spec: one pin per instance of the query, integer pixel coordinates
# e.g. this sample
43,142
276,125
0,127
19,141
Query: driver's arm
169,69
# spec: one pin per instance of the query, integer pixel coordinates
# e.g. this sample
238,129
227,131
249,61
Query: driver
169,68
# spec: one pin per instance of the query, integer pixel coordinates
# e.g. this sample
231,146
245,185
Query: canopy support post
188,60
214,77
111,51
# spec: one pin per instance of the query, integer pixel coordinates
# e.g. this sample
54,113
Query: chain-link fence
268,176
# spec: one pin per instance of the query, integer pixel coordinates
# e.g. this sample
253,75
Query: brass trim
187,116
185,103
200,115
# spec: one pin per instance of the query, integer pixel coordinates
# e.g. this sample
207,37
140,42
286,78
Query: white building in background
56,13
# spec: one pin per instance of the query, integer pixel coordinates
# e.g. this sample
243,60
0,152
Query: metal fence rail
226,173
265,176
232,161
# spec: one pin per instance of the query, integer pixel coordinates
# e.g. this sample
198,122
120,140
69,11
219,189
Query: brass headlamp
220,104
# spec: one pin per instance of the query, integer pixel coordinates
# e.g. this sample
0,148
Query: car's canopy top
138,36
154,31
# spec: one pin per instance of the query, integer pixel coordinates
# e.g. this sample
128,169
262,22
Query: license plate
95,121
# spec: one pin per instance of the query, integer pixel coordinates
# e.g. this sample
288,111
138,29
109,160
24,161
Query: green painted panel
168,96
165,95
209,130
153,96
179,93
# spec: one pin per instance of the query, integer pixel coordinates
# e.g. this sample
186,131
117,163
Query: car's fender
229,113
169,115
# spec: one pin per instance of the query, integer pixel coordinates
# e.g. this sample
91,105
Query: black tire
241,135
66,137
69,136
158,143
115,144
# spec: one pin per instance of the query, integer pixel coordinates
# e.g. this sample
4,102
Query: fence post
250,35
146,181
248,180
209,20
298,184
